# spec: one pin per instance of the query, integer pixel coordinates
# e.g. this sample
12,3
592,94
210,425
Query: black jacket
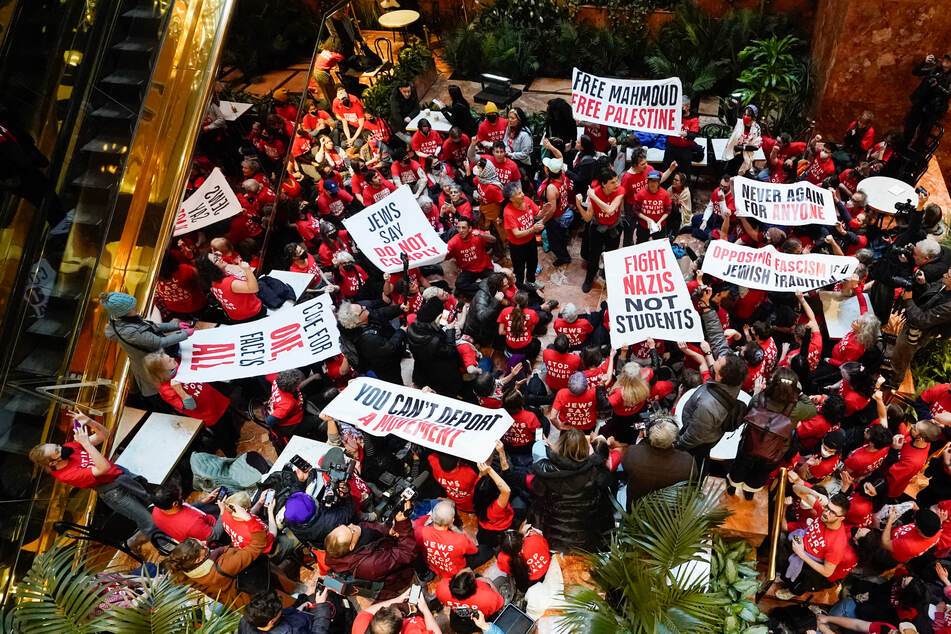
482,321
572,503
401,108
436,361
380,347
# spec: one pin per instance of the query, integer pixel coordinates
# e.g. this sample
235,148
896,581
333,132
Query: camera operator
372,552
311,522
466,595
396,616
929,101
898,268
927,313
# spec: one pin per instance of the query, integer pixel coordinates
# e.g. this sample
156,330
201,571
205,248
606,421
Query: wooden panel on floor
750,518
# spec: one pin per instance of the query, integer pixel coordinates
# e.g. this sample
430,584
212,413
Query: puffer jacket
482,321
436,361
139,337
572,501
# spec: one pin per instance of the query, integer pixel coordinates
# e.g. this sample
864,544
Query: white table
310,450
656,155
436,119
728,445
883,192
720,144
158,446
840,312
130,419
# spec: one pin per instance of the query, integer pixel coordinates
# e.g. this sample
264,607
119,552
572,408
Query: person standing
602,212
522,221
929,101
651,208
554,192
656,464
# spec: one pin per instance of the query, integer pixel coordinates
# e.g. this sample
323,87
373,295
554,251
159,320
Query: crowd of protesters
588,420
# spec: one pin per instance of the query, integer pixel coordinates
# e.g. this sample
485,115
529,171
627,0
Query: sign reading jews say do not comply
791,204
425,418
648,106
213,201
291,338
771,270
393,226
647,296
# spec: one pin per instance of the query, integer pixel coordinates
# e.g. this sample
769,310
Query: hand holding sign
212,202
649,106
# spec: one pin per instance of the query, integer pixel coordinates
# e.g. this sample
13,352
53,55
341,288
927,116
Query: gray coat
139,337
706,410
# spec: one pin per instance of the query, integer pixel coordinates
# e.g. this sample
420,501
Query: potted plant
647,581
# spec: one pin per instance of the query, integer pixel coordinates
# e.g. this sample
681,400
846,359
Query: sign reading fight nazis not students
771,270
794,204
393,226
291,338
211,202
648,106
647,296
425,418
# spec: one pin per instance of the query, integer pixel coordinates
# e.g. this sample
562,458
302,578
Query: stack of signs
771,270
425,418
291,338
794,204
393,226
648,106
211,202
647,296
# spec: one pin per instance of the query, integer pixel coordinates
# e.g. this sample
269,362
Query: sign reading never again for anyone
428,419
647,295
393,226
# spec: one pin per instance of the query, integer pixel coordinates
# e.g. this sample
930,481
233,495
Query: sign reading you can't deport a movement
648,106
647,296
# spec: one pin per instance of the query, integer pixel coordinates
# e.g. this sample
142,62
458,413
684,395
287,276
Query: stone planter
595,16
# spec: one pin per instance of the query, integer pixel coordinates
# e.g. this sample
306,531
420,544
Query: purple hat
578,383
299,507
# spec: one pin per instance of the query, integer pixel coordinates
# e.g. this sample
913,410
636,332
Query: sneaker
784,594
730,489
533,286
748,495
586,287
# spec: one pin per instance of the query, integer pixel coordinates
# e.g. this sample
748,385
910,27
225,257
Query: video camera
397,492
340,471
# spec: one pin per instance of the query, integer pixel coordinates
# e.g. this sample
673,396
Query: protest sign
231,110
425,418
770,270
648,106
211,202
647,295
292,338
794,204
839,312
393,226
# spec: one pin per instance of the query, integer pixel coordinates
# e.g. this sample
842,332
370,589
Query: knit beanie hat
299,507
430,310
117,304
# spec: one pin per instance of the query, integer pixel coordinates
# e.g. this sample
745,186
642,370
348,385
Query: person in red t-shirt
455,147
349,109
375,187
811,431
386,617
492,128
426,141
652,208
935,404
870,456
180,289
568,323
520,437
456,477
575,406
238,297
912,455
240,522
466,591
285,414
522,221
492,508
196,400
333,201
445,549
911,540
80,464
180,520
525,555
819,548
821,167
628,396
602,212
453,203
468,248
407,171
516,323
560,364
853,625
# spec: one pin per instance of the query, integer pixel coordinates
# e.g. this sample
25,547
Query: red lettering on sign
284,339
211,355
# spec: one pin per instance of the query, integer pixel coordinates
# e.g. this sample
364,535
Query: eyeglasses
831,512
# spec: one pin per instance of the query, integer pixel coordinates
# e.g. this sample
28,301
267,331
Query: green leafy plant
734,576
772,73
645,582
63,593
932,364
412,61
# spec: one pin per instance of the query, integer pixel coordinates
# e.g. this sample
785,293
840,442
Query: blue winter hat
299,507
117,304
653,175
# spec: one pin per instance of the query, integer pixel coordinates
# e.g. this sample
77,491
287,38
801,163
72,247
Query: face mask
492,117
66,452
747,120
827,453
345,101
824,155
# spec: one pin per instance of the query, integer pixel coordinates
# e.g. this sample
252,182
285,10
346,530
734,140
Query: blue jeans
845,607
128,498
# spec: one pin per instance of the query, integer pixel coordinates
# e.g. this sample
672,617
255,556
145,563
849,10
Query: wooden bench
750,518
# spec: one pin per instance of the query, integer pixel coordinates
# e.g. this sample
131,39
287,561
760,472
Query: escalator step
135,45
96,180
107,145
43,360
33,405
126,78
114,111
